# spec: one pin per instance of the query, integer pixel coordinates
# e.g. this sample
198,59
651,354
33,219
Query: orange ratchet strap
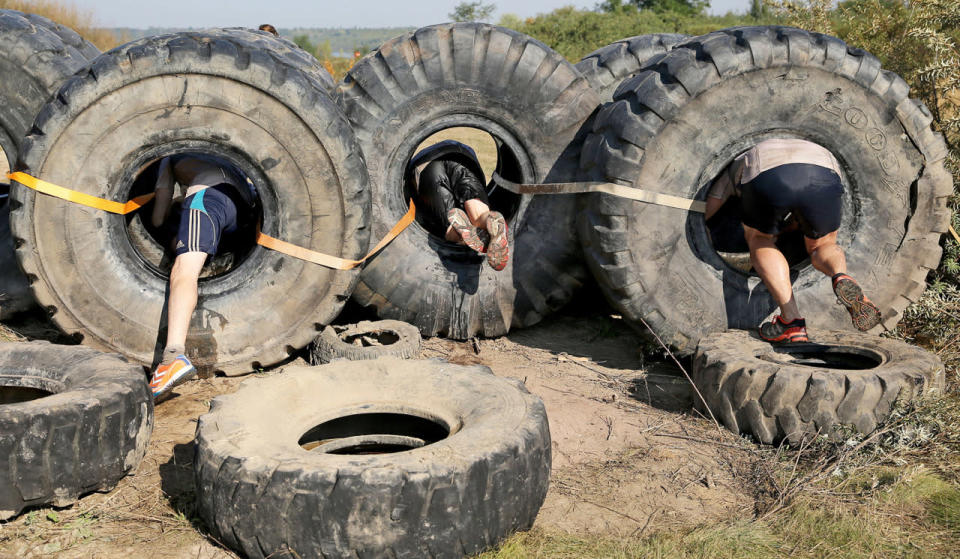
262,239
57,191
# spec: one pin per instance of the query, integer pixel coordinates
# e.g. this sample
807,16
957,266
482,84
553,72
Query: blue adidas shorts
205,217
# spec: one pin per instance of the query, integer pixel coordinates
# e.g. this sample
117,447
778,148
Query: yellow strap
954,231
639,194
333,261
57,191
262,239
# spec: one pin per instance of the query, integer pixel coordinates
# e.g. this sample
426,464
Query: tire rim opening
824,356
374,433
154,245
376,338
27,389
493,154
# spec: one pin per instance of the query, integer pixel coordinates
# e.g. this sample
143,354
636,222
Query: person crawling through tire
449,183
785,183
214,190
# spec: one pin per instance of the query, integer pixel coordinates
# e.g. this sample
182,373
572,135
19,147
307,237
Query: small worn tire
260,493
678,123
751,391
88,434
607,67
534,103
331,344
243,95
36,56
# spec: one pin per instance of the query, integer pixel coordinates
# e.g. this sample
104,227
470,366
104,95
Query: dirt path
628,458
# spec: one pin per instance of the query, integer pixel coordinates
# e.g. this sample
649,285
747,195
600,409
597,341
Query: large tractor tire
384,458
677,125
841,383
72,421
607,67
533,103
243,96
36,56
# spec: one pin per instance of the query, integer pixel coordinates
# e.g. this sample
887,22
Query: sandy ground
630,456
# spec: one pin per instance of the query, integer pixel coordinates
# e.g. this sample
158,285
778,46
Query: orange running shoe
498,249
168,376
777,330
863,312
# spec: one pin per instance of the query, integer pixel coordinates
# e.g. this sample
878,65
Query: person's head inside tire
449,183
787,184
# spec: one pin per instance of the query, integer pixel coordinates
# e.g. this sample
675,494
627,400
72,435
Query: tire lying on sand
607,67
36,56
244,96
357,461
842,381
72,421
533,103
676,125
366,340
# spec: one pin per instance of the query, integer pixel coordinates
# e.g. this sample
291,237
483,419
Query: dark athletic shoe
863,312
461,223
498,250
778,331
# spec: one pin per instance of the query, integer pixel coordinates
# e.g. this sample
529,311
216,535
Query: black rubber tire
243,95
752,390
260,492
87,434
36,56
607,67
331,343
678,123
526,96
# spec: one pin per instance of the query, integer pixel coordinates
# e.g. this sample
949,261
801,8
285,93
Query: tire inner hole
155,244
376,338
14,390
494,155
374,433
824,356
727,238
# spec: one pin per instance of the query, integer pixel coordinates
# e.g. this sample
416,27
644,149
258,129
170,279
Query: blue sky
315,13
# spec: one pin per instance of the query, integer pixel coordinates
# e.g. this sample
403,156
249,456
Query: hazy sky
315,13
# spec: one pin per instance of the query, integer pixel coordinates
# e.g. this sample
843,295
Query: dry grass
83,22
480,141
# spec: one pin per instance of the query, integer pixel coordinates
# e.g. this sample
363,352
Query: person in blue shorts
209,210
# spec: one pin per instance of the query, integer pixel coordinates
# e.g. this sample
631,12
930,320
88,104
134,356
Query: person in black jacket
449,183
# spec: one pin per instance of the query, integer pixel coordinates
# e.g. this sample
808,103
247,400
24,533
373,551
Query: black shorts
444,185
204,218
810,193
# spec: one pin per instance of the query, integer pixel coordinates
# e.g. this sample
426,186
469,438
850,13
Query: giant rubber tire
524,94
607,67
260,492
244,96
36,56
85,436
749,391
678,123
331,343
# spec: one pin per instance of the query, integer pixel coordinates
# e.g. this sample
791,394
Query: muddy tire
840,382
607,67
72,421
36,56
241,95
677,124
533,103
366,340
374,486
